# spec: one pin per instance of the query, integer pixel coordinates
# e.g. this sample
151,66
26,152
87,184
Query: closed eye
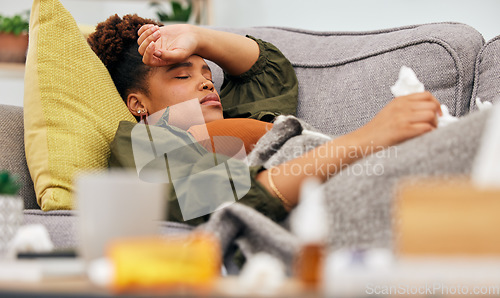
182,77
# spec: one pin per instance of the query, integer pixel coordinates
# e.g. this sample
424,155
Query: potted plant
179,12
14,37
11,210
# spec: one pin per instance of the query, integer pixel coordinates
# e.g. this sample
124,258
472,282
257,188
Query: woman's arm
175,43
403,118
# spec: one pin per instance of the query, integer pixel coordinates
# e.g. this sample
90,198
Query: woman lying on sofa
157,67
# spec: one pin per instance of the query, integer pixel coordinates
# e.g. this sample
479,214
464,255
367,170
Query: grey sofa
344,80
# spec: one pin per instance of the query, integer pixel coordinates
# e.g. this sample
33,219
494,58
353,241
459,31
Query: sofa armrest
487,75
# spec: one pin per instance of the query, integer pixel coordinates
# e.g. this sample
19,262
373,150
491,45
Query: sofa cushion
71,107
345,77
487,75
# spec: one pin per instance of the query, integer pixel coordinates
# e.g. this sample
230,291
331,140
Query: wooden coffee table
80,286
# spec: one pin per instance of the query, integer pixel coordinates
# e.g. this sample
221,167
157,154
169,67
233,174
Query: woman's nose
207,85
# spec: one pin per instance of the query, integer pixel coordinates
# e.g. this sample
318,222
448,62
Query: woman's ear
136,103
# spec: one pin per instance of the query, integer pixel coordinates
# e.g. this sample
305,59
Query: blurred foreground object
139,263
447,218
262,275
11,211
31,238
116,204
486,168
309,224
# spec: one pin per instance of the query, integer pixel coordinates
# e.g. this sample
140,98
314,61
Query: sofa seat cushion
59,223
62,226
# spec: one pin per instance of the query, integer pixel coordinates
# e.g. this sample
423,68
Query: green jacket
268,89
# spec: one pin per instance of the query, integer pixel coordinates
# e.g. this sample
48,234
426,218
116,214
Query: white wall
322,15
328,15
358,15
12,86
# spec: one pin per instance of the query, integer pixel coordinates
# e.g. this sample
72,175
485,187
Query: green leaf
4,177
16,24
9,183
187,13
177,9
163,17
177,12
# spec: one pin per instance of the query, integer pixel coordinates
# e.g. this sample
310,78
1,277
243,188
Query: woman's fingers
166,45
143,28
146,27
426,97
404,118
170,56
149,57
424,116
424,108
143,33
421,128
425,105
150,35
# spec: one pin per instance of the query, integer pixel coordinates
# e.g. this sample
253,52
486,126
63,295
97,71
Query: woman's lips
211,99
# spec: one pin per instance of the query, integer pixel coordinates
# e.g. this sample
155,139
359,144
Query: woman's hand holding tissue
405,117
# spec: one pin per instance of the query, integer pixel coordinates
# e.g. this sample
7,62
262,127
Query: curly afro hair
115,43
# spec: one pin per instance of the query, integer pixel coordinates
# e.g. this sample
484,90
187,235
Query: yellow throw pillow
71,106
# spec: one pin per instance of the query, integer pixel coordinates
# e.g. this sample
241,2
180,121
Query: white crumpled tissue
262,274
30,238
408,83
101,272
446,118
483,105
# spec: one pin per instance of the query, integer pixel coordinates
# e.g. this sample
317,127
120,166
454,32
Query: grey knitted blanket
359,202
